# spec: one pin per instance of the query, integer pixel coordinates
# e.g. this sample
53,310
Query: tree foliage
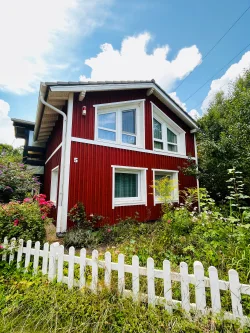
223,142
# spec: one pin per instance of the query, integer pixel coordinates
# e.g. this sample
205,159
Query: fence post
200,293
151,281
71,268
45,258
135,278
60,262
82,280
185,296
52,261
12,247
94,270
19,253
214,290
107,274
36,257
234,286
121,274
27,255
167,286
5,245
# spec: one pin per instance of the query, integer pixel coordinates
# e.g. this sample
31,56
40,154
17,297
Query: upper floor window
121,123
167,135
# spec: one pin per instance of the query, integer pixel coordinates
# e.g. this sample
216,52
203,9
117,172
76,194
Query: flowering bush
25,220
16,182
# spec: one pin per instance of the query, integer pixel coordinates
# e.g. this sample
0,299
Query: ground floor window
54,184
158,174
129,186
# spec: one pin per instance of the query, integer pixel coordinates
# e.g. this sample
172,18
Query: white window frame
173,176
166,122
141,199
54,184
118,107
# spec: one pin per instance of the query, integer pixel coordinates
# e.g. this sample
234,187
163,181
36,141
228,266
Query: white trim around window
141,186
173,176
54,184
114,131
167,123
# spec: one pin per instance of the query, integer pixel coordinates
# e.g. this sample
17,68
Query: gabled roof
56,94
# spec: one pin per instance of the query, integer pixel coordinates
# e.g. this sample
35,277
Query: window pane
106,135
158,145
107,120
159,177
157,130
172,137
129,139
128,121
126,185
172,148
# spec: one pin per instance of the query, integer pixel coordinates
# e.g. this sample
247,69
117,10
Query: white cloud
133,62
6,126
223,83
194,114
177,100
33,33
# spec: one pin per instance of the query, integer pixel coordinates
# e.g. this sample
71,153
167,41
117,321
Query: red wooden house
107,142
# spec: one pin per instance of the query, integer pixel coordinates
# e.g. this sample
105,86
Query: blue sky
53,40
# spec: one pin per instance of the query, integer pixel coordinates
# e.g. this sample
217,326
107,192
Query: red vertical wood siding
56,137
91,179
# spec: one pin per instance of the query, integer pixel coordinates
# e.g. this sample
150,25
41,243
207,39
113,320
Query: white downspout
60,197
197,179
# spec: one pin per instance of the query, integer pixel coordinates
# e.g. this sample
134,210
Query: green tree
223,142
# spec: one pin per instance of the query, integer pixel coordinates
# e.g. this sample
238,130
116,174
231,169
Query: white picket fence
53,259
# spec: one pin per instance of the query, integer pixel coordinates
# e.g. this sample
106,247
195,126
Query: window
121,123
129,186
54,184
158,174
167,135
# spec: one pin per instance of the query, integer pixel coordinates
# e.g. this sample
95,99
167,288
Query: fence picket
214,290
36,257
167,286
27,254
45,258
151,281
200,292
19,253
5,245
135,278
82,280
185,296
60,262
52,261
107,274
121,274
234,286
12,247
71,267
94,270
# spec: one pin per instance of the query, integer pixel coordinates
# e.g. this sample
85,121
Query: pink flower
27,200
109,230
43,217
168,221
16,222
1,247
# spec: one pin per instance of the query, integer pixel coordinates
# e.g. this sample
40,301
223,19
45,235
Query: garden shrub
16,182
25,220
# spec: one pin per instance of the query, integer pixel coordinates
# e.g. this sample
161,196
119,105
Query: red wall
91,179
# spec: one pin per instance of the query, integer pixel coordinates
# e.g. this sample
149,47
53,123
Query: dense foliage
10,154
223,141
22,309
25,220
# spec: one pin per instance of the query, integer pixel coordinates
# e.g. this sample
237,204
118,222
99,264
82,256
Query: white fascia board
102,87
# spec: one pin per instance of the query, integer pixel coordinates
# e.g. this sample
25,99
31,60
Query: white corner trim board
139,150
57,148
